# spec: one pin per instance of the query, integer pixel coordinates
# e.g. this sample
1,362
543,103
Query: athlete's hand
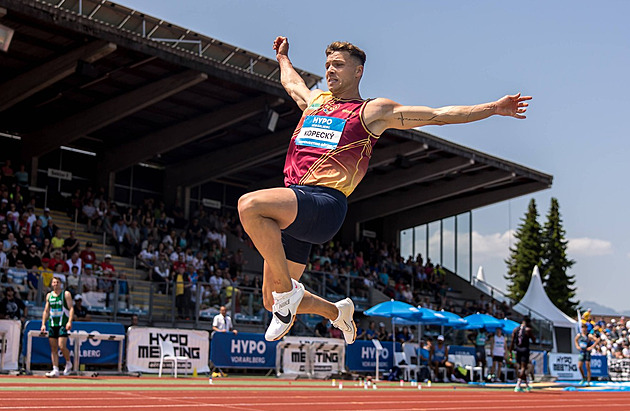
69,326
281,46
512,106
43,329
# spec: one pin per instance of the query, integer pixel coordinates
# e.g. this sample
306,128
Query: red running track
304,400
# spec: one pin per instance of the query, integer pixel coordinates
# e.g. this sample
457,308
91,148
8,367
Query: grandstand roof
132,88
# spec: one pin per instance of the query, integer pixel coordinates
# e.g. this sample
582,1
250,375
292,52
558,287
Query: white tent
537,304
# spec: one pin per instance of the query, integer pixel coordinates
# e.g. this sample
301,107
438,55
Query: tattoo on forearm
430,119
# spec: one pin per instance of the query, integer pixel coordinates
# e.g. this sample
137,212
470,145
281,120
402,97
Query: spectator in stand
73,280
12,307
37,235
120,234
45,218
134,239
194,233
16,276
106,264
382,333
32,257
148,257
88,256
80,312
32,283
91,215
57,258
161,273
75,261
71,244
321,329
21,177
88,279
9,243
404,335
371,332
182,292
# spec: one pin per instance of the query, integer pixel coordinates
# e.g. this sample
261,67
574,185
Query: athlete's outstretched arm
382,114
292,82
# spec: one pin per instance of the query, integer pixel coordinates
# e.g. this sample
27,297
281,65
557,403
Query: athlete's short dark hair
353,50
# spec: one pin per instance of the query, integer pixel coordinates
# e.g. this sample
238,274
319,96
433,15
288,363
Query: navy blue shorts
321,211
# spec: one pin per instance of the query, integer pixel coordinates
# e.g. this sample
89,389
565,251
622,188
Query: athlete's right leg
311,303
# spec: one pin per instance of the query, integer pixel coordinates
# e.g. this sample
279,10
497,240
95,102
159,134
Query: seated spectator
89,281
88,256
32,257
21,177
71,244
321,329
404,335
106,264
133,239
9,243
57,241
75,261
91,215
80,312
16,276
57,258
45,218
73,280
12,307
382,333
32,283
148,257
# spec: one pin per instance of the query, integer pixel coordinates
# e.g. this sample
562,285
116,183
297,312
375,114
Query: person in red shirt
106,264
87,254
57,258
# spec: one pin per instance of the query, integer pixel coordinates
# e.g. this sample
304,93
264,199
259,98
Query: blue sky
573,57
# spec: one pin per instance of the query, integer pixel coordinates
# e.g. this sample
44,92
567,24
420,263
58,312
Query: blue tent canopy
478,321
509,325
391,309
454,320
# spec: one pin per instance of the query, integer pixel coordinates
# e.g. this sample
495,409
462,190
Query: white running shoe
345,320
284,311
53,374
68,369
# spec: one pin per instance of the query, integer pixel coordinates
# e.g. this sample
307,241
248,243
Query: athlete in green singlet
58,314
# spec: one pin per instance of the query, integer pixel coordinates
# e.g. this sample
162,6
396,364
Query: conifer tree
559,285
525,254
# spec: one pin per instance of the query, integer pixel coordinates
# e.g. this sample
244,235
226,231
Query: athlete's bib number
320,131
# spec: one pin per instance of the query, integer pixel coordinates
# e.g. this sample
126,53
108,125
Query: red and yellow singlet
331,145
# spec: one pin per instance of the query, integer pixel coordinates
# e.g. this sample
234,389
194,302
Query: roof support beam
69,129
162,141
391,204
229,160
378,184
387,155
37,79
450,207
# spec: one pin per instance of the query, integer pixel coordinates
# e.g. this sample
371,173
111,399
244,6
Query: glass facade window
446,242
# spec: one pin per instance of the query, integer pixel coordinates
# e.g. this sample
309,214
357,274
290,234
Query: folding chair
401,362
167,353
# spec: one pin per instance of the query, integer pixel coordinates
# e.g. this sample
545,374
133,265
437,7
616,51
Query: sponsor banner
143,348
599,366
243,350
564,366
317,356
461,350
539,360
619,369
60,174
10,343
361,356
91,351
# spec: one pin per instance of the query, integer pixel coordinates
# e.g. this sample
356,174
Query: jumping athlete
60,310
585,342
328,156
521,337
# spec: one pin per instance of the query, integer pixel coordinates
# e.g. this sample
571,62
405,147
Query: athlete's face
343,72
56,285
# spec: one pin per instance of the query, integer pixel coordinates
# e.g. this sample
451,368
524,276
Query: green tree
525,254
559,285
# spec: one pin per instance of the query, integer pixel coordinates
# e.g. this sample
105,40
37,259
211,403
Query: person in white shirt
497,352
75,261
222,323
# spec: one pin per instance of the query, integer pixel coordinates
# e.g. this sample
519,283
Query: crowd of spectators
612,336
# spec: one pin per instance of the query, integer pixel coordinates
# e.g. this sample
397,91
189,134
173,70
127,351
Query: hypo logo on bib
320,131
